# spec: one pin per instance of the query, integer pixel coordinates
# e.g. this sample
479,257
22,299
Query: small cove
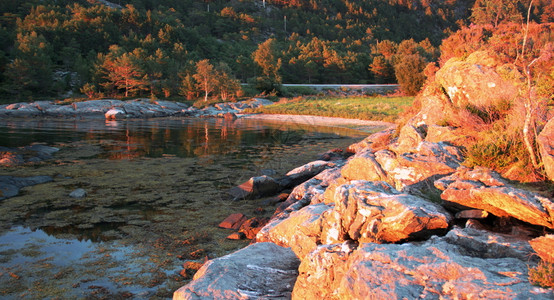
156,192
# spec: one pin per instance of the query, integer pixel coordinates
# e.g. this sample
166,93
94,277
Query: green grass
365,108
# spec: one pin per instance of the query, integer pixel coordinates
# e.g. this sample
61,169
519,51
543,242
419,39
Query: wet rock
10,186
261,270
545,142
483,189
255,187
78,194
433,269
233,221
115,114
544,246
10,158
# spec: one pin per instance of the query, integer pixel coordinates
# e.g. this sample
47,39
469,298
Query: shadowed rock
9,186
255,187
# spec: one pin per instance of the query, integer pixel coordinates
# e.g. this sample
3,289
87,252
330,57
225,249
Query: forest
191,48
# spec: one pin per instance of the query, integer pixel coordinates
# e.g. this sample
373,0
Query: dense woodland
191,48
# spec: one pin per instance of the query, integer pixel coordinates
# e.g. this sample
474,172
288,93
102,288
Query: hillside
48,48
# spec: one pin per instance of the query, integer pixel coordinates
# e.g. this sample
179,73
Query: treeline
53,48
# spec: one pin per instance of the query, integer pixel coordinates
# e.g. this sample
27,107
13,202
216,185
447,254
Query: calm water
155,194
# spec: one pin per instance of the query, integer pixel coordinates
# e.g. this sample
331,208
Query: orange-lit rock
483,189
233,221
374,212
301,230
475,81
544,246
436,269
251,226
375,142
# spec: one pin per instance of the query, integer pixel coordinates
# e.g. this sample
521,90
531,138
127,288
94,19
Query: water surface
155,194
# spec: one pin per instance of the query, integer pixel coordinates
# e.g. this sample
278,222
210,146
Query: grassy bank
365,108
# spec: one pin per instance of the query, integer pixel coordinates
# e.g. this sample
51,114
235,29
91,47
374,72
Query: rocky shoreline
116,109
401,218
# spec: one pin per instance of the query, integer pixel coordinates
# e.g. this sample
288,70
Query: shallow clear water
155,194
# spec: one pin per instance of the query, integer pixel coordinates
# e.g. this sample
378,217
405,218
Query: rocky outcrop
10,186
437,268
484,189
259,271
545,142
117,109
543,246
360,211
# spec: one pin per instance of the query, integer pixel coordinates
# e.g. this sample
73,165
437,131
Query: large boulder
402,169
475,82
301,230
484,189
546,147
435,269
259,271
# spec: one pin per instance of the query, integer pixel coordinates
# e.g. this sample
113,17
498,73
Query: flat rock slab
259,271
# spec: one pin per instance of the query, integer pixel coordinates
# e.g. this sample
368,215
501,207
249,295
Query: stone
544,246
233,221
115,114
259,271
545,143
483,189
236,236
300,231
375,212
375,142
255,187
474,81
472,214
10,186
436,134
364,166
303,173
78,193
408,139
435,269
252,226
11,158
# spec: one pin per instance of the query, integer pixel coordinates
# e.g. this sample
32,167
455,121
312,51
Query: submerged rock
10,186
78,193
259,271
